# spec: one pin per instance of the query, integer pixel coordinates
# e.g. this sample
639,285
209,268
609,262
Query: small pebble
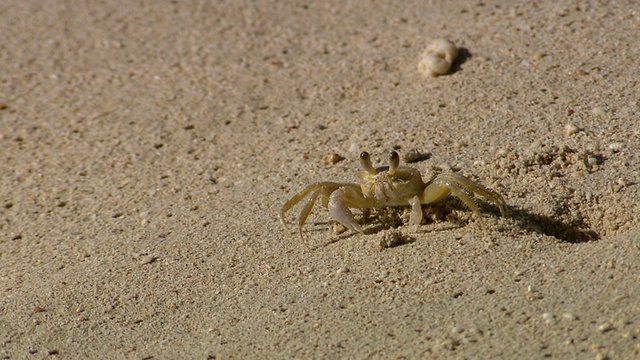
331,159
502,152
342,270
338,229
415,155
538,56
548,318
616,146
393,238
605,327
598,111
449,344
518,273
445,166
148,259
467,237
571,129
622,182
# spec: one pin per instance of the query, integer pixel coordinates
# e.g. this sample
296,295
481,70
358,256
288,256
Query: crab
388,186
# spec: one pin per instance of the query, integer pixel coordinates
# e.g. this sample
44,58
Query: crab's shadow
573,232
375,226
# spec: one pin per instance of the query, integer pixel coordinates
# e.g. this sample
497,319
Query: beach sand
146,150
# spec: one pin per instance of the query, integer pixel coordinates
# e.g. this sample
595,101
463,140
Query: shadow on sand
572,232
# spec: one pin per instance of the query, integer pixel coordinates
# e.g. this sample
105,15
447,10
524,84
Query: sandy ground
146,150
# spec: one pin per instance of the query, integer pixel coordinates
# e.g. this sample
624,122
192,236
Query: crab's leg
416,211
306,210
482,191
341,200
460,186
301,195
441,187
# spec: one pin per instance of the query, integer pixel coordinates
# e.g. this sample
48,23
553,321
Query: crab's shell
391,188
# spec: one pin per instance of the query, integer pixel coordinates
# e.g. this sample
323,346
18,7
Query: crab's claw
340,211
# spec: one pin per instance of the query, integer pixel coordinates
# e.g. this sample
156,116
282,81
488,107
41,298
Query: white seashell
616,146
432,65
437,58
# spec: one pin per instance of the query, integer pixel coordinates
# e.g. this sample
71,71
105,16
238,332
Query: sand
146,150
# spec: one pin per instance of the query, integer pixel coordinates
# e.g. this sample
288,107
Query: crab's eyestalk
365,161
394,161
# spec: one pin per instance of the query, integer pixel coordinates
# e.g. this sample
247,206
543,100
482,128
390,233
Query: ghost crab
392,185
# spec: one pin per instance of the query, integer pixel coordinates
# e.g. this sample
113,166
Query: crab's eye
365,161
394,161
